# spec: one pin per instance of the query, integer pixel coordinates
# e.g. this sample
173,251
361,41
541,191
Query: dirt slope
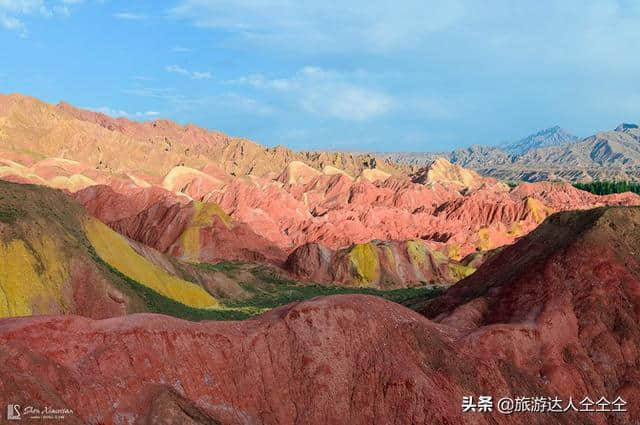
56,259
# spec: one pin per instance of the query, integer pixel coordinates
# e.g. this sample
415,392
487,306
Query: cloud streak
12,12
324,93
181,49
372,25
116,113
571,32
12,24
239,104
128,16
194,75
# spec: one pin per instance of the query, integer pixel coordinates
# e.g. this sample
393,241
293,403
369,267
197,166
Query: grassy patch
223,266
272,291
157,303
286,294
269,290
10,214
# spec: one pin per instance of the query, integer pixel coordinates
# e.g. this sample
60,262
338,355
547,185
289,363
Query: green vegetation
285,294
35,210
157,303
272,291
10,214
268,290
223,266
609,187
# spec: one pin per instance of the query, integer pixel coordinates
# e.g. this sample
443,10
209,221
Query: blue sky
359,75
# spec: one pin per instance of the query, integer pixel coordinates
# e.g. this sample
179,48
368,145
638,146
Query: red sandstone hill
196,145
331,229
388,233
555,315
201,196
563,303
57,259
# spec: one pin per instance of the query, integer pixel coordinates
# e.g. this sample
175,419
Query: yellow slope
115,250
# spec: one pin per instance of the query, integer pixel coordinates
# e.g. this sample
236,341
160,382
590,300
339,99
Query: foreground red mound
555,315
339,360
562,305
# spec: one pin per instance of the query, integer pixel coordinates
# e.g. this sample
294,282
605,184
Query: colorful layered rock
555,315
149,182
54,259
377,264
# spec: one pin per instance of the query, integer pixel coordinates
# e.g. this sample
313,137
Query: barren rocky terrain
551,154
373,292
554,315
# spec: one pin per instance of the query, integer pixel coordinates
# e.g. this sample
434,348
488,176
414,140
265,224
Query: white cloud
432,107
128,16
62,10
11,23
175,69
259,81
12,11
320,24
22,6
347,103
223,101
326,93
155,93
121,113
201,75
181,49
578,34
194,75
245,104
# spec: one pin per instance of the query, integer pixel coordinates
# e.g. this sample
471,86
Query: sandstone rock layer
554,315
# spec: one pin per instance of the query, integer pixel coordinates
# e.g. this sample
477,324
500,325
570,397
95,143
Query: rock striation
555,315
201,196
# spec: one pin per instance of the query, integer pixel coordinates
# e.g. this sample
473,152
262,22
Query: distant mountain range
553,136
551,154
